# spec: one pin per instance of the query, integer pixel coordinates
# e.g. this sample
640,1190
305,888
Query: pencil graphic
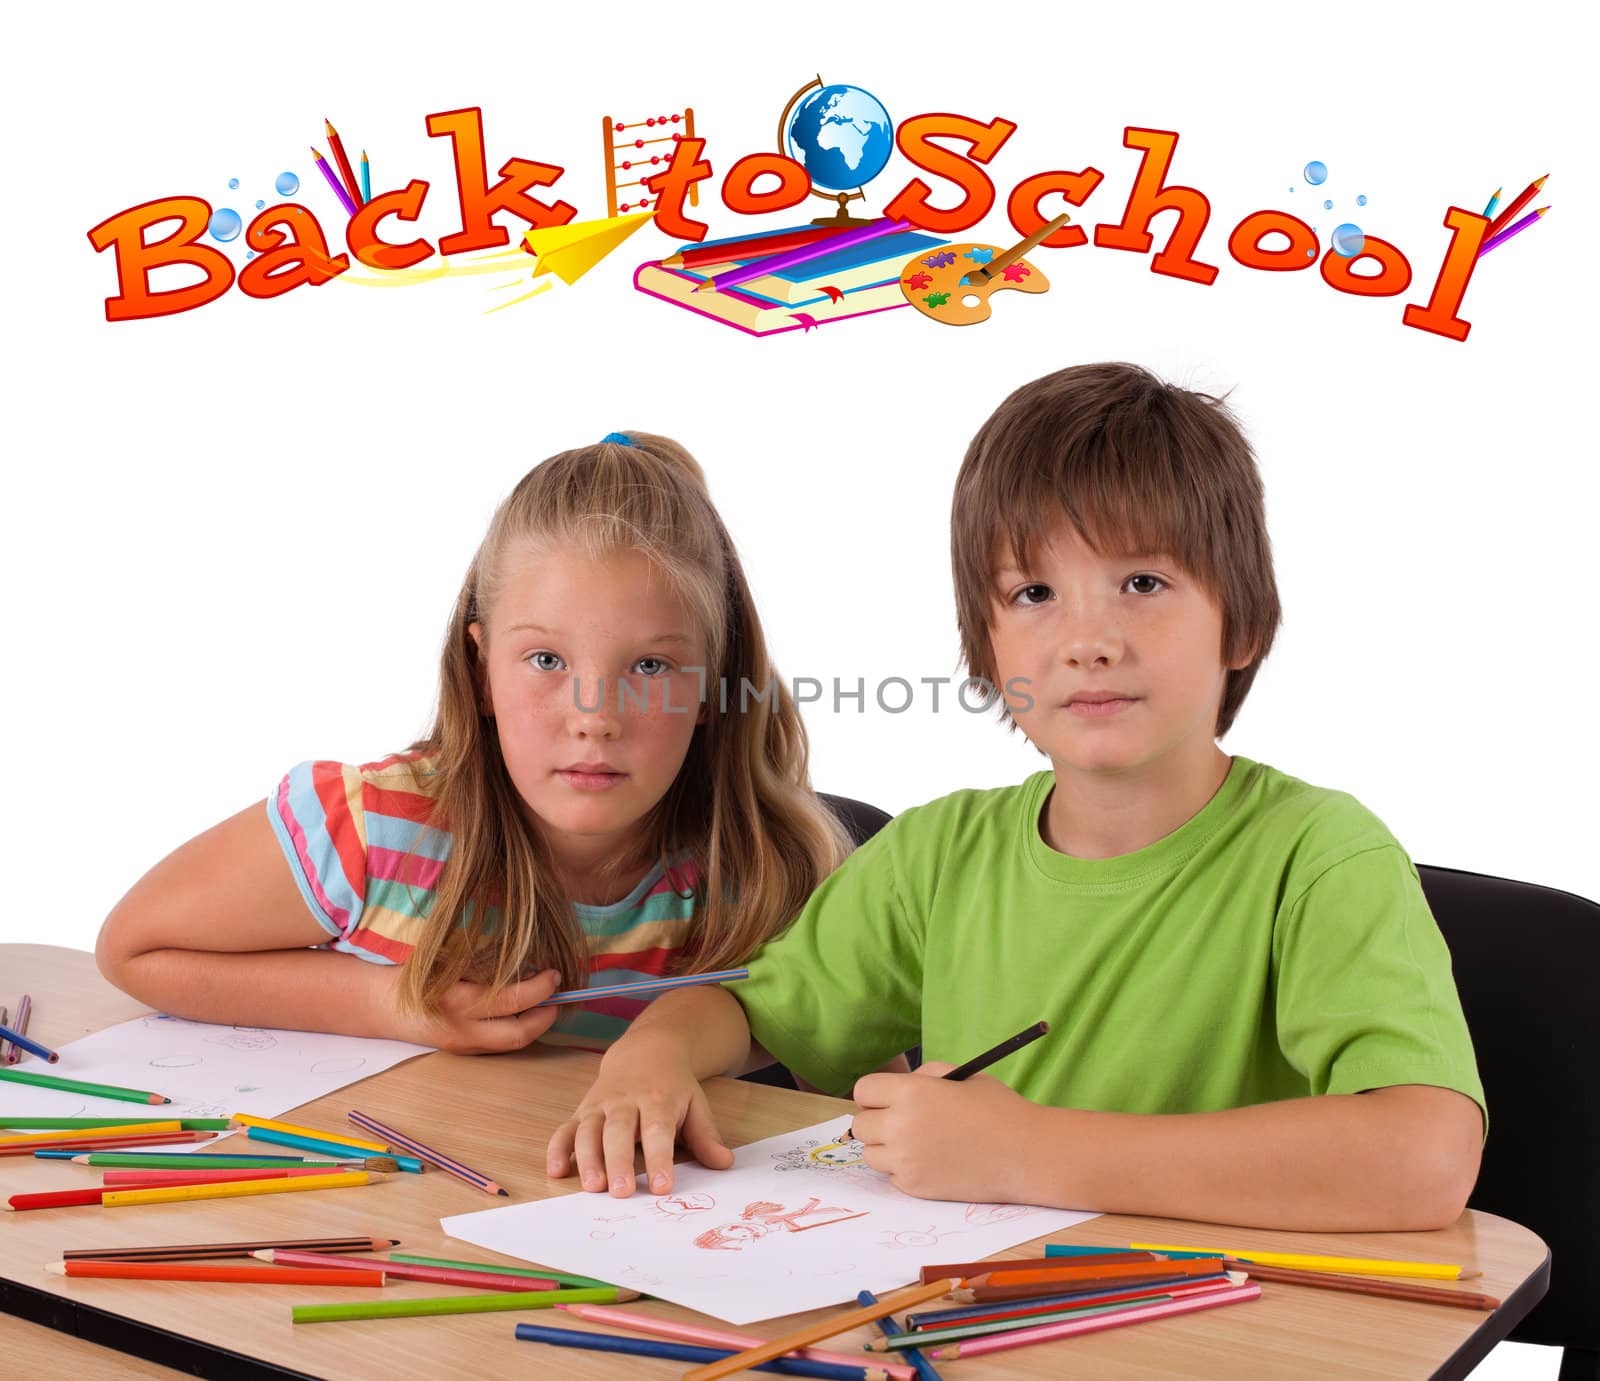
366,179
345,171
333,182
1495,241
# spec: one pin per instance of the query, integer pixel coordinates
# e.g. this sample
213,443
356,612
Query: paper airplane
570,251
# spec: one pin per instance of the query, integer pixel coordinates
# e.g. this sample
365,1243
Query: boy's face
1120,654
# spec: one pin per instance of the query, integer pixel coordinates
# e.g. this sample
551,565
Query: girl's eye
1145,584
547,661
651,666
1033,594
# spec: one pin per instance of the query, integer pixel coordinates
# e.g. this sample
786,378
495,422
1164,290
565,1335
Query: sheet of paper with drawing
207,1071
800,1221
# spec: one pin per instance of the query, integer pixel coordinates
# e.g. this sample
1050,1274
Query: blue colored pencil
334,1149
890,1329
679,1352
1494,201
22,1042
366,178
643,985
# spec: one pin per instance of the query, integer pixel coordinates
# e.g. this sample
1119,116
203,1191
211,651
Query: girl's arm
217,931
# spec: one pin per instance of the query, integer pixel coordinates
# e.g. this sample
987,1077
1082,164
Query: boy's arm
217,931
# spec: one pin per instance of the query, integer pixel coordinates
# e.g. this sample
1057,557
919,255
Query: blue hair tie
619,438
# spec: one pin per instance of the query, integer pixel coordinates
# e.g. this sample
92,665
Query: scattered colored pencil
955,1333
572,996
333,182
753,247
188,1124
1494,201
685,1352
32,1139
154,1179
890,1329
844,239
108,1142
19,1022
455,1304
437,1158
967,1269
1023,1337
711,1337
1500,222
366,179
404,1270
311,1133
1495,241
826,1328
124,1095
1354,1285
17,1039
56,1198
345,171
561,1278
1040,1304
338,1150
203,1251
233,1275
1000,1278
178,1161
231,1189
1027,1294
1344,1265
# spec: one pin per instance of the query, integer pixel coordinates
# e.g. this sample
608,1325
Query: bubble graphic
287,184
1348,240
233,183
225,224
259,205
1361,201
1327,206
1316,172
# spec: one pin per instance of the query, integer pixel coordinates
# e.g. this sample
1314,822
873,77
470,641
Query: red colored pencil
406,1270
58,1198
237,1275
345,170
1501,221
152,1179
110,1143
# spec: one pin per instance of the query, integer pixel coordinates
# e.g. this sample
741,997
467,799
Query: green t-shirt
1275,945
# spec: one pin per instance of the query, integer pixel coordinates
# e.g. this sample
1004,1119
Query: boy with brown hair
1252,1014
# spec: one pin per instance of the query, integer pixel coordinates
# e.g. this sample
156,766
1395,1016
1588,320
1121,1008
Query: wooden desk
241,1331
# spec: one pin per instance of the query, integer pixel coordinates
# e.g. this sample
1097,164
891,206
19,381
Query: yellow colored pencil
232,1189
1336,1265
91,1133
245,1120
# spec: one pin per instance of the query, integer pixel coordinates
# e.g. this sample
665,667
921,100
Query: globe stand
840,218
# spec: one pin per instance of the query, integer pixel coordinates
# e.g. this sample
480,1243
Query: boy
1252,1014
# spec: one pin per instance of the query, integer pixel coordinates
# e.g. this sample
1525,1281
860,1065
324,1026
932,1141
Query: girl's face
592,670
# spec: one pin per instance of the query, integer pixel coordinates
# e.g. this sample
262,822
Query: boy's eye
1033,594
651,666
546,661
1144,584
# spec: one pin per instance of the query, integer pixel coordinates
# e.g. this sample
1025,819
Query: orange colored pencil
236,1275
1000,1278
345,170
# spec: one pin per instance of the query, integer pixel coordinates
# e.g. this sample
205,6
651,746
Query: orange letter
283,263
136,257
671,186
1454,274
1148,198
478,200
1394,275
1023,207
1245,242
911,202
794,184
371,248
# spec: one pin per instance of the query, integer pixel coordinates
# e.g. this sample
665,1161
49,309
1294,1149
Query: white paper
800,1221
207,1071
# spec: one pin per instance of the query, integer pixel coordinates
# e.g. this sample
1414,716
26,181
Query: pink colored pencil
411,1146
406,1270
1071,1328
154,1179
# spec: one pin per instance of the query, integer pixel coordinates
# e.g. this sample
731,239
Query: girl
598,796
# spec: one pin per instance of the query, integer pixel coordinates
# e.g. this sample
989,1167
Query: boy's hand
643,1096
469,1022
943,1140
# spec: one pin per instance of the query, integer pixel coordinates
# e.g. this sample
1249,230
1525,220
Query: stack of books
857,280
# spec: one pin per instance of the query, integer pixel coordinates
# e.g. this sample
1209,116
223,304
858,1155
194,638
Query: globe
842,135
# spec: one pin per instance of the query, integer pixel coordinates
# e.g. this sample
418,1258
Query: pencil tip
394,1241
504,1194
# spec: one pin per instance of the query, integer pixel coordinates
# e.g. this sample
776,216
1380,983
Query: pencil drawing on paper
814,1154
763,1217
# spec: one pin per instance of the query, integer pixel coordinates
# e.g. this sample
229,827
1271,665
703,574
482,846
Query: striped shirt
367,861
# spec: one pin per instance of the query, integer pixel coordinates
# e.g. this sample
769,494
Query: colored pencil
338,1150
890,1329
560,1277
1000,1278
155,1179
955,1333
17,1039
455,1304
827,1328
203,1251
345,170
573,996
1025,1294
32,1139
844,239
1494,201
1354,1285
1023,1337
1494,242
685,1352
111,1141
311,1133
1039,1304
333,182
181,1161
710,1337
57,1198
446,1163
366,179
125,1095
188,1124
755,247
233,1275
1500,222
1054,1251
404,1270
231,1189
19,1022
1344,1265
967,1269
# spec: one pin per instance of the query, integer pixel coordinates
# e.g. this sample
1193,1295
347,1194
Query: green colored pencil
189,1124
120,1160
576,1282
457,1304
126,1095
928,1337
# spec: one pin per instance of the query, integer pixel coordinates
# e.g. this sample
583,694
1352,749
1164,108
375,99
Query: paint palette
953,283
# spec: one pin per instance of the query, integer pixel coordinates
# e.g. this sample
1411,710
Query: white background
234,535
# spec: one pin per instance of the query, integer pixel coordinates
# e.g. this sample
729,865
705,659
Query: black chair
1527,966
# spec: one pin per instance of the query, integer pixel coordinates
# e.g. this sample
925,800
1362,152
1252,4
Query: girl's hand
642,1096
469,1022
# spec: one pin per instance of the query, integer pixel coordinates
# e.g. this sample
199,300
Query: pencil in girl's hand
125,1095
19,1022
446,1163
235,1275
232,1189
644,985
203,1251
18,1040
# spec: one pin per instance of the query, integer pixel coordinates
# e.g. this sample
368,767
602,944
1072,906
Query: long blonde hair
742,804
